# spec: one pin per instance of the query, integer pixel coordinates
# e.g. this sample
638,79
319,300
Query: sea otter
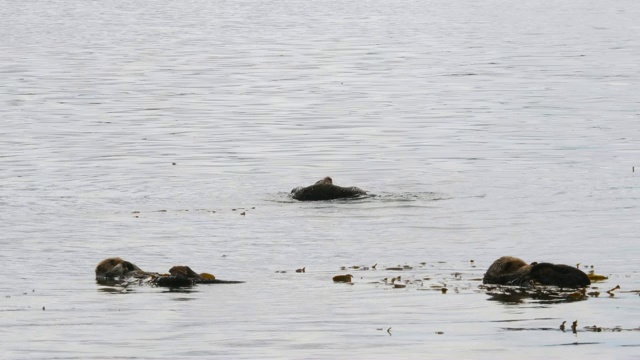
116,267
325,190
116,271
343,278
509,270
559,275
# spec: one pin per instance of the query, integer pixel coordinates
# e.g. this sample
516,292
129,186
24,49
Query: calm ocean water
144,129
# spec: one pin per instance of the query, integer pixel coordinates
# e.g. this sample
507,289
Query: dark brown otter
183,271
343,278
559,275
115,271
325,190
509,270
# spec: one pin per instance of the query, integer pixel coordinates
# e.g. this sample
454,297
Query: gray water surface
144,129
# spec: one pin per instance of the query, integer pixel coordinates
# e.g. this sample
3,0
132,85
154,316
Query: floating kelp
574,328
578,295
610,292
463,279
593,277
207,276
594,328
360,267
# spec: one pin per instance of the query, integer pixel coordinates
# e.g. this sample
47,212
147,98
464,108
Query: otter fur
116,267
509,270
559,275
324,189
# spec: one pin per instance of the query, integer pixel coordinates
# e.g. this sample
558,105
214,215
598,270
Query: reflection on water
114,290
172,132
542,295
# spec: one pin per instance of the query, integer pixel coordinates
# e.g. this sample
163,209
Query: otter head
510,264
507,270
113,267
326,181
183,271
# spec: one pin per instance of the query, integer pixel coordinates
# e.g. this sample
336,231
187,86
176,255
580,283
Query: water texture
144,130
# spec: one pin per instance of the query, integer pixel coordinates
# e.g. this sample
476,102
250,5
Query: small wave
411,196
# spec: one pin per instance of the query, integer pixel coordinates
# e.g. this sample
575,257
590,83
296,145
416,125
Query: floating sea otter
343,278
510,270
115,271
325,190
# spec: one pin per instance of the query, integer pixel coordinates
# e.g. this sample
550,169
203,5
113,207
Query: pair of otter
509,270
118,271
325,190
